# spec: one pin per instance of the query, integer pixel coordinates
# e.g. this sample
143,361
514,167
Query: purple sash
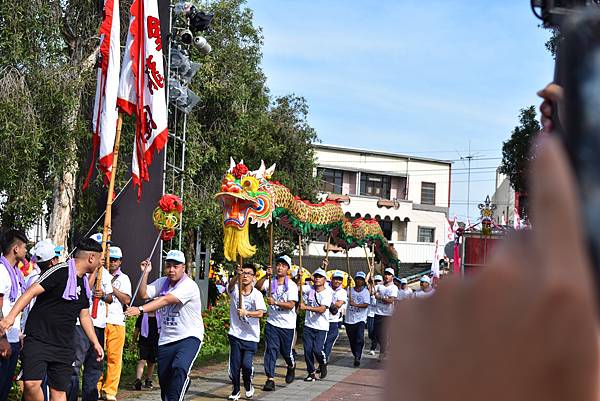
164,291
70,293
16,279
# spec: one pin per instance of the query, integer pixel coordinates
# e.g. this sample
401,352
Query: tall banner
105,114
142,87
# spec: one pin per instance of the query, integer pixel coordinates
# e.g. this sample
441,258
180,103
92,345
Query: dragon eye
250,184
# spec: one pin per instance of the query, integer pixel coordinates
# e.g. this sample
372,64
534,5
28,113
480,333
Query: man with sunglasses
114,332
176,299
244,330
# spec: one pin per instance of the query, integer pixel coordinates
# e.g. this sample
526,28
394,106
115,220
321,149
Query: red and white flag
455,225
517,220
142,87
503,220
448,233
435,264
105,115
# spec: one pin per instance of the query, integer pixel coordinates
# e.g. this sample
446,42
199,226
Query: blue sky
425,78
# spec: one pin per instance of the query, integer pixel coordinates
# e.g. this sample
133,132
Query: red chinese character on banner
155,80
150,124
153,25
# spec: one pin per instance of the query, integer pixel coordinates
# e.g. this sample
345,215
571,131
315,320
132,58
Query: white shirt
115,309
246,328
181,320
354,314
316,320
389,291
423,294
12,335
100,320
407,291
372,307
338,295
279,317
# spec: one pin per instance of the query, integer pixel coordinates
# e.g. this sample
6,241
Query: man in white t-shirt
371,313
385,294
114,333
84,354
244,329
356,316
340,298
317,300
14,250
281,323
405,289
426,288
176,299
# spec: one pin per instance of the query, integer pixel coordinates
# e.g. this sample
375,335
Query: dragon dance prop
251,197
166,219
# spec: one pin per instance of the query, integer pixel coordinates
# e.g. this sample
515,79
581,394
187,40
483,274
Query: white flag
503,220
517,220
448,233
105,114
142,87
455,225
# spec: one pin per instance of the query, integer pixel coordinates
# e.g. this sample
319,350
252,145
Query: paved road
343,381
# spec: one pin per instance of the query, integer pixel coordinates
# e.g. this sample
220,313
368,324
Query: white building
409,196
504,199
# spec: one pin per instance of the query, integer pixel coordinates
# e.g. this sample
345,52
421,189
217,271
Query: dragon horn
231,164
261,170
269,172
242,161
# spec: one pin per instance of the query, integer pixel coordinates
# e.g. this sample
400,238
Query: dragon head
245,197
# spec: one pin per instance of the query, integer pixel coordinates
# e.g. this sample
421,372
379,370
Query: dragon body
251,197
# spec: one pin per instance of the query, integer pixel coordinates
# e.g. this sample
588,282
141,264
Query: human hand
99,351
269,271
6,324
525,327
551,94
242,312
146,266
5,349
303,306
132,311
98,293
271,301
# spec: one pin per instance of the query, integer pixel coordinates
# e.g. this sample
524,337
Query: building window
426,234
428,193
331,180
386,227
375,185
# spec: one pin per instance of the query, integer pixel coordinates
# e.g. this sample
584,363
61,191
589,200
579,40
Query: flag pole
240,304
271,258
349,277
108,215
300,271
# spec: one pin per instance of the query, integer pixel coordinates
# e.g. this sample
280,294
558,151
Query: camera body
554,12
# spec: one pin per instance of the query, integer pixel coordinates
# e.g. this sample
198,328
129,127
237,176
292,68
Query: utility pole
469,157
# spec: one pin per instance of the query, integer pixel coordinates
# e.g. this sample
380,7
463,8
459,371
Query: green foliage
517,153
216,327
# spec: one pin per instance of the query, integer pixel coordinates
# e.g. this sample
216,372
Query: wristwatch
141,308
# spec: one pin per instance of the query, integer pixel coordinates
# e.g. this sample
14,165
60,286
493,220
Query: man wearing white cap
371,313
115,325
340,297
317,299
176,299
281,323
426,289
385,294
356,316
405,289
84,355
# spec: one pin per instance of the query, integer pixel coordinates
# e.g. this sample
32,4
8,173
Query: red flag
105,115
142,87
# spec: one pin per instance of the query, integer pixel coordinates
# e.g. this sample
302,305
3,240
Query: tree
516,152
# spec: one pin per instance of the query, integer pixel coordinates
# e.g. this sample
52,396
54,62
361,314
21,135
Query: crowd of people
66,321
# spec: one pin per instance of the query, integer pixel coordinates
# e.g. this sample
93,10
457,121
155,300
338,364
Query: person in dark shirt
62,296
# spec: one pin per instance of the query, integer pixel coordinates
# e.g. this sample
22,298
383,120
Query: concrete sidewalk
343,382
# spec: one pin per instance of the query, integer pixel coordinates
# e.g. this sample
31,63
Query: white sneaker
371,352
234,397
250,393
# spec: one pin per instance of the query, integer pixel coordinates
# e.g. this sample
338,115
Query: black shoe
310,378
318,371
138,385
269,386
323,371
148,384
290,374
356,362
